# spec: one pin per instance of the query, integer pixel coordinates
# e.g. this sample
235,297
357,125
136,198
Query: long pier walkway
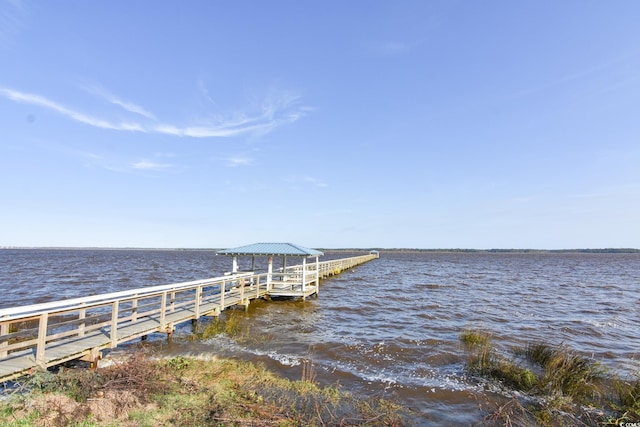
43,335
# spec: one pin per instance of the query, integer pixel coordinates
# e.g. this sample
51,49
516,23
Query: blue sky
421,124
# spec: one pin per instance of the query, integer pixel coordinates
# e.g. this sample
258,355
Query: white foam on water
609,324
223,341
284,359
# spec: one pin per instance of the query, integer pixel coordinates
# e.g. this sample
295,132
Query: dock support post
170,330
93,357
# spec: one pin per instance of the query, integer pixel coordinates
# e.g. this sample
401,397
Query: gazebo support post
317,275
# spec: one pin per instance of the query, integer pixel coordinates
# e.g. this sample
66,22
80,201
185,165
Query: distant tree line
460,250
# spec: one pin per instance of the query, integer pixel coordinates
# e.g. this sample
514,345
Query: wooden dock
43,335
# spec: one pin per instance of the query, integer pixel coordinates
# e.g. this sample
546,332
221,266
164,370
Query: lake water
389,327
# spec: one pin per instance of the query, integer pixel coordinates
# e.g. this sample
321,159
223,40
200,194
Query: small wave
431,286
609,324
223,341
284,359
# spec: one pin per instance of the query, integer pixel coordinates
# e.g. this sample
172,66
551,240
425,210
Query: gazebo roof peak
272,249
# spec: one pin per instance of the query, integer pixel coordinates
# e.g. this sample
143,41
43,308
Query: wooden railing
336,266
41,325
42,335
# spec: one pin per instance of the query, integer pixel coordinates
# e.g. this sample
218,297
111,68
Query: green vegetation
187,392
230,323
554,385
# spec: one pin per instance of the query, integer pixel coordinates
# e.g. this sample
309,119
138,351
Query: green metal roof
267,249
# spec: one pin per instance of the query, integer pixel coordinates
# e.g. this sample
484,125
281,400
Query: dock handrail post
42,340
81,316
223,289
304,271
173,302
163,308
317,275
4,330
134,308
114,323
196,308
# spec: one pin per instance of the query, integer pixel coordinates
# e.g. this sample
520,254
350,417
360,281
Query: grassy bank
141,391
551,385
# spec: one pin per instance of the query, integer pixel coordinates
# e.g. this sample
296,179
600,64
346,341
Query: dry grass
187,392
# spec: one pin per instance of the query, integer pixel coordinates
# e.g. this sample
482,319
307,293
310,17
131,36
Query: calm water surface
389,327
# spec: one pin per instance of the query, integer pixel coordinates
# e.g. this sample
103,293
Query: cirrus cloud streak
273,114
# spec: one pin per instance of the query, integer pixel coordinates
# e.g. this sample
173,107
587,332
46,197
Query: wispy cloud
149,165
115,100
13,14
115,164
165,155
28,98
92,156
586,72
275,111
308,180
239,161
202,87
314,181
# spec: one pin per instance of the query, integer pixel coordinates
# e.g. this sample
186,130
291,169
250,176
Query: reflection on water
390,327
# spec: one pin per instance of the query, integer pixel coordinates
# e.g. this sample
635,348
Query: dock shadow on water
391,327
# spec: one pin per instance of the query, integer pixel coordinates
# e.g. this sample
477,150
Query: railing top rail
83,302
331,261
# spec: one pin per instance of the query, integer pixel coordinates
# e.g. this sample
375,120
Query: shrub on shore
186,391
555,385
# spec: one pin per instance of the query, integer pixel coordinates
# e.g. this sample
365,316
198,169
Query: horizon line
353,248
